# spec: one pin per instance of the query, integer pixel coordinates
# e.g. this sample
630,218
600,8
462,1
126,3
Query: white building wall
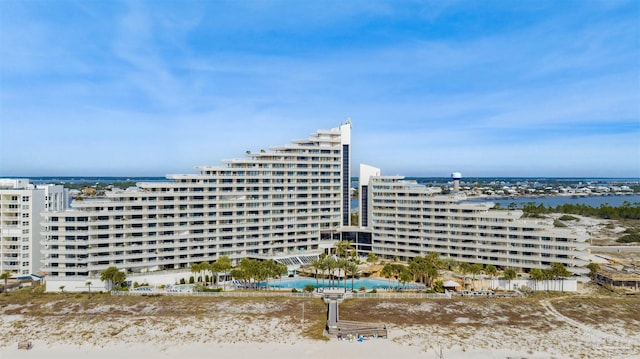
21,205
409,220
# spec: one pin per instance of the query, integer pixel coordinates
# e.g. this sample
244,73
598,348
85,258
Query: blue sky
487,88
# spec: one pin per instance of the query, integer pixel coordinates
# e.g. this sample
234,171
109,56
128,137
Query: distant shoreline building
21,206
290,204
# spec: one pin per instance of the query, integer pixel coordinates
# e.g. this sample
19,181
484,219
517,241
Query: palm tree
195,268
5,276
536,276
316,264
205,267
491,271
464,268
449,263
273,269
112,276
323,267
239,274
396,270
405,276
560,271
509,274
88,284
387,272
342,266
330,264
547,275
281,269
343,248
353,271
474,269
222,265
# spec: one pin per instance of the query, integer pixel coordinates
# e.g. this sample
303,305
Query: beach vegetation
593,269
559,224
628,210
426,268
372,258
509,274
438,286
631,235
113,278
567,217
491,271
222,265
5,277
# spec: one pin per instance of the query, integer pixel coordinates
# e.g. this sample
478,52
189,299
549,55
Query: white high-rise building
285,203
21,206
290,203
407,219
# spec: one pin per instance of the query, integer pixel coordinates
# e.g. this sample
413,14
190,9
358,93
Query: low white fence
560,285
217,294
392,295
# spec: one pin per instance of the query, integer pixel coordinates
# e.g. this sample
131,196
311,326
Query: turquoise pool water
368,283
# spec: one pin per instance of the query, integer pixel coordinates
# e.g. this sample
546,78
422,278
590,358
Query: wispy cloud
135,88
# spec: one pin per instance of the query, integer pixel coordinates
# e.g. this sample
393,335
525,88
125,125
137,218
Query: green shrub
438,287
294,290
362,288
308,288
567,217
192,280
557,223
629,238
182,281
373,291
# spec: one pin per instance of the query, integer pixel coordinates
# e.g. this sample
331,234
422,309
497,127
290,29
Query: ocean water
592,201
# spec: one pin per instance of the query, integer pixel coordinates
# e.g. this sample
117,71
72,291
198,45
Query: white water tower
456,176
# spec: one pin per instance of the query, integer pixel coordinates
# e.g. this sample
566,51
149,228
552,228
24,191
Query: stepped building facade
290,204
283,203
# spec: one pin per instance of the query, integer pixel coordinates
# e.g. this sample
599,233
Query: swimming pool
368,283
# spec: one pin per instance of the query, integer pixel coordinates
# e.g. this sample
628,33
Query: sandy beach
102,326
300,349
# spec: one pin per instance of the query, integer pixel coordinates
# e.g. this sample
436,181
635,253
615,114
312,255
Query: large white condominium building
21,206
287,200
407,219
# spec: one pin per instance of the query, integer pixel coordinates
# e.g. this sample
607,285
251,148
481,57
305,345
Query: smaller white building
21,206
